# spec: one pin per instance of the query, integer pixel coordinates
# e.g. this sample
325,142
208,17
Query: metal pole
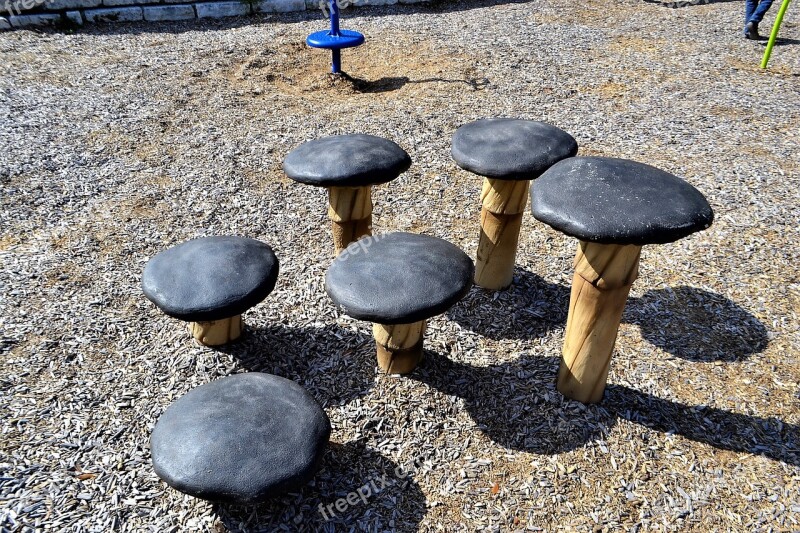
334,18
336,54
774,35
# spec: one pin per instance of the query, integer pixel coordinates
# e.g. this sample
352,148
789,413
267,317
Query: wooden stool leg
350,211
501,216
217,332
603,277
399,346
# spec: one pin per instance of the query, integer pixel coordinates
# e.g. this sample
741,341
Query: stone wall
70,13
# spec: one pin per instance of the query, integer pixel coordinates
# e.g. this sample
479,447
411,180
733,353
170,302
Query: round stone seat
614,206
510,149
617,201
398,281
346,161
508,153
348,166
240,439
211,280
398,278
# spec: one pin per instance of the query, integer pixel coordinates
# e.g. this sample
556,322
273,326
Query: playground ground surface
119,141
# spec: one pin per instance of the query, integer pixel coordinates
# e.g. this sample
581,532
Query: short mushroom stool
209,282
398,281
348,166
614,207
240,439
509,153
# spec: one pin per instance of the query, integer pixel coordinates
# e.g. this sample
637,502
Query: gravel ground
117,142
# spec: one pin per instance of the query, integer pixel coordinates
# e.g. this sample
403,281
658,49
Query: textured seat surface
346,161
398,278
210,278
241,438
510,149
617,201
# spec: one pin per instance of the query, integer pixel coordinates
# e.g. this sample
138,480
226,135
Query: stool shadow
768,437
325,360
528,309
345,469
696,325
517,406
686,322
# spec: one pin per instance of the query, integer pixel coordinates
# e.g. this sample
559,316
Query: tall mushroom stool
240,439
398,281
348,166
509,153
209,282
614,206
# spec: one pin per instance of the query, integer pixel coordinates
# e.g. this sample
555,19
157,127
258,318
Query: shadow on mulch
528,309
696,325
399,506
721,429
780,41
388,84
685,3
686,322
327,361
516,405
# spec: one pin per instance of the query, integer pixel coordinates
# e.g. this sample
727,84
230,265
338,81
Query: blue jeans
754,10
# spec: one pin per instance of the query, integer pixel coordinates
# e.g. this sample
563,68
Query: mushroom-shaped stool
509,153
240,439
614,206
398,281
348,166
209,282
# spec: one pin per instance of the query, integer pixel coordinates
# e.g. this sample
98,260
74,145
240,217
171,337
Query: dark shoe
751,31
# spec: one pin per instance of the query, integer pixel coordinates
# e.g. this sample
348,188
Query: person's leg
749,8
761,10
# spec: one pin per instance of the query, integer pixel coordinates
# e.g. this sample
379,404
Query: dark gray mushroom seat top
510,149
346,161
210,278
617,201
240,439
399,278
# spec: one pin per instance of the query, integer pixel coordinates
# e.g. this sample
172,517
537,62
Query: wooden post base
603,277
350,211
501,217
217,332
497,250
399,346
346,232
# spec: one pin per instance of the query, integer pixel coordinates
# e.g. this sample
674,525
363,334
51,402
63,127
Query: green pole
774,35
